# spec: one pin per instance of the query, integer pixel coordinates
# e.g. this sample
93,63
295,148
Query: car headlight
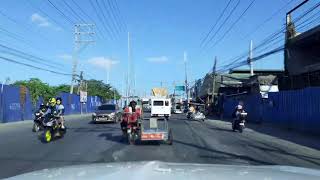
112,114
94,114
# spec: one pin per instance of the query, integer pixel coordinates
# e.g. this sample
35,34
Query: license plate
241,124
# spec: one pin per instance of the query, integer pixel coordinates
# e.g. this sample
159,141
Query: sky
160,32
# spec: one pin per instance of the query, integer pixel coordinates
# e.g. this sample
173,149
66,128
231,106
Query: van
160,107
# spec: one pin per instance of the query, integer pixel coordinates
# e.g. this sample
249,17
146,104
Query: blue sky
160,32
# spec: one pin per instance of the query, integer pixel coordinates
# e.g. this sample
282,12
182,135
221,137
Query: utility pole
250,58
186,76
214,78
83,36
128,73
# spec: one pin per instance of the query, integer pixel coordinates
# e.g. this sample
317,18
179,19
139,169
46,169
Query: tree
37,89
98,88
62,88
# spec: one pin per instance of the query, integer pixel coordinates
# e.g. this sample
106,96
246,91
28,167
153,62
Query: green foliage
39,89
105,91
62,88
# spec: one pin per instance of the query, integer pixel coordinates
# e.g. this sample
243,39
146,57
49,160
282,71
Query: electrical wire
114,4
32,66
46,14
221,26
74,12
101,21
115,32
111,15
215,24
230,28
61,13
90,18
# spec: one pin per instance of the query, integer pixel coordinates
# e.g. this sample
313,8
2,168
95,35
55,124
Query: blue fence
16,107
296,109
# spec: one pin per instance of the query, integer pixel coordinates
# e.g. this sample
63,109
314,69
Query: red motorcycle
130,125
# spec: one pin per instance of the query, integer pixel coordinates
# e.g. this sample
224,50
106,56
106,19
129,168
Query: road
197,142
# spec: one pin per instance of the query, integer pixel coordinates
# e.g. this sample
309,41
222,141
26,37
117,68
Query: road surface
194,142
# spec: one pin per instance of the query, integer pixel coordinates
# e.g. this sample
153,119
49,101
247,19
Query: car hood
104,111
171,171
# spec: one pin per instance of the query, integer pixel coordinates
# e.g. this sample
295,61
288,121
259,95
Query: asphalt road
194,142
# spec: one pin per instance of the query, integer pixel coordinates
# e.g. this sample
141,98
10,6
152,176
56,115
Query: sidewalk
267,129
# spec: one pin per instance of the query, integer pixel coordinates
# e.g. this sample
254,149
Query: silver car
107,113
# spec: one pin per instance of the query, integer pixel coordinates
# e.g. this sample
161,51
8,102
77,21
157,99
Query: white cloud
65,56
160,59
39,20
102,62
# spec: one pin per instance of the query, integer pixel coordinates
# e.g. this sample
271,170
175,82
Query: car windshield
158,103
107,107
129,85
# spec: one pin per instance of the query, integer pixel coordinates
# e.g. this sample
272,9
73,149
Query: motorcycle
37,122
238,123
52,129
189,114
198,116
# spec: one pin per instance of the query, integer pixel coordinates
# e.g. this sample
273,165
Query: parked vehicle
160,107
52,129
37,122
107,113
238,123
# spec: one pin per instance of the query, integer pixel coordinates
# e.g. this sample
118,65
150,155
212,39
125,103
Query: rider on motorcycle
60,111
42,108
51,111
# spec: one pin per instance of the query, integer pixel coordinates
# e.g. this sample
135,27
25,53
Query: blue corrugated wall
12,110
296,109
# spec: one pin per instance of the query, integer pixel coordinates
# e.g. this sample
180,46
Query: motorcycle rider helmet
239,107
42,106
52,101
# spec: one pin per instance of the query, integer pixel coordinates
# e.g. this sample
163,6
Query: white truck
160,107
160,103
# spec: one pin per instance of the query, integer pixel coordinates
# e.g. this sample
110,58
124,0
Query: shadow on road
114,138
221,155
273,130
269,148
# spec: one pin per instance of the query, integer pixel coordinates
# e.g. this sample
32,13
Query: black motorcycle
37,122
52,129
238,123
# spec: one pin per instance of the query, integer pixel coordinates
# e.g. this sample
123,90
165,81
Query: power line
115,32
73,11
61,13
36,59
221,26
267,20
212,27
121,18
90,18
46,14
100,19
230,28
111,16
32,66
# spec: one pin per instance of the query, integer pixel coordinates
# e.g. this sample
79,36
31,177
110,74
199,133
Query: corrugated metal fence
296,109
16,105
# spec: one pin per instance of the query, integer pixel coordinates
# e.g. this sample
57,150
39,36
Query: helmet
239,107
43,106
52,101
